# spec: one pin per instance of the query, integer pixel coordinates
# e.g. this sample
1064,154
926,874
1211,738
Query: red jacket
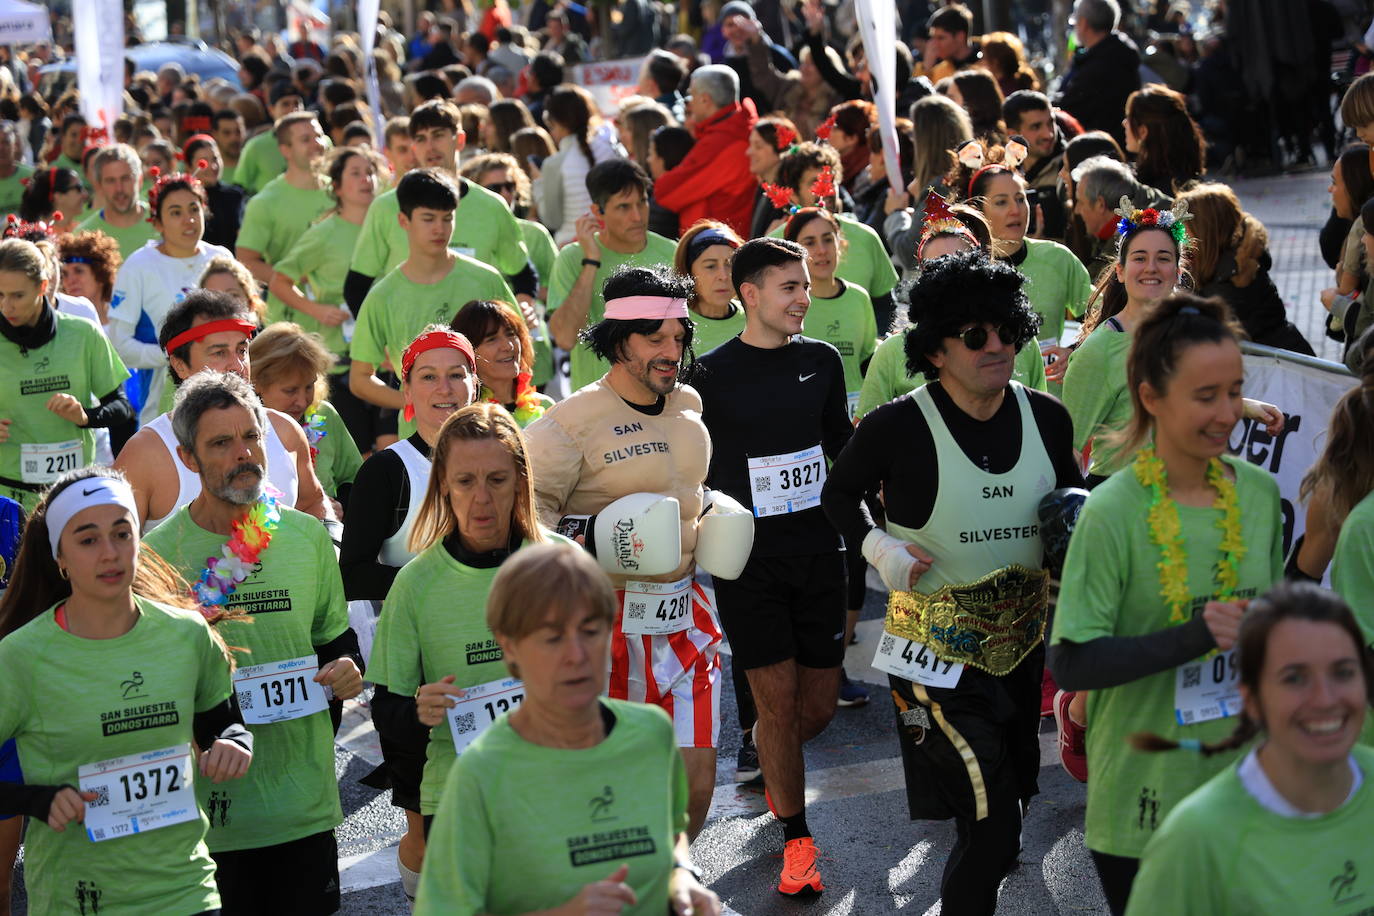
714,180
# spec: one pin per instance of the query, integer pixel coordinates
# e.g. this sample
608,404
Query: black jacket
1258,305
1098,83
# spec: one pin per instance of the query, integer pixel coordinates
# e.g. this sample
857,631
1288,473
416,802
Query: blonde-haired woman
433,650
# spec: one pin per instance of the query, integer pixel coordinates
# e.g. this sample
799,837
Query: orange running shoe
800,877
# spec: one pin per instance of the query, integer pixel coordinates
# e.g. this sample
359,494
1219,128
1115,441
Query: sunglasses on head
500,187
976,337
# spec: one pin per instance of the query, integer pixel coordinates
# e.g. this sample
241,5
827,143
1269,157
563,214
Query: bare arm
364,383
568,320
310,497
143,468
253,260
285,289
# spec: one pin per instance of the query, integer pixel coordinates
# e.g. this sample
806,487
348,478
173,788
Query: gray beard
240,496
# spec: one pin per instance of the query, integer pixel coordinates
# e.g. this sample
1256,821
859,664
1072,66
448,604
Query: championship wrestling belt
991,623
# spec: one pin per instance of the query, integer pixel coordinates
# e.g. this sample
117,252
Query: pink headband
648,308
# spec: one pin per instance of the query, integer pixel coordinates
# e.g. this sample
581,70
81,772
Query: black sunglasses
976,337
501,186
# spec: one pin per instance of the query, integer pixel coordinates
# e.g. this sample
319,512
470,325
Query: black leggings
984,852
1117,874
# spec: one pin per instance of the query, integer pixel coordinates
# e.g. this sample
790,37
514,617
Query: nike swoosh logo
89,492
802,378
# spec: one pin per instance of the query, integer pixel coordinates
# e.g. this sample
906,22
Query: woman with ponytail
1286,827
109,665
1163,558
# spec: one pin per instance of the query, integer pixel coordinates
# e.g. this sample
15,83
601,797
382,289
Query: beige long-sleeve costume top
593,448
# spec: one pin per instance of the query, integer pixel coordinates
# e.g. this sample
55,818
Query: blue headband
705,239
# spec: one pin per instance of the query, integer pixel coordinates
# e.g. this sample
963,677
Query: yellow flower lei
1166,532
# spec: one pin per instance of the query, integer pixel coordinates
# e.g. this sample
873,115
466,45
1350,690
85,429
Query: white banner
367,30
878,27
609,81
1306,392
100,60
23,23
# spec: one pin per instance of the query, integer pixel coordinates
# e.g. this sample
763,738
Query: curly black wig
607,337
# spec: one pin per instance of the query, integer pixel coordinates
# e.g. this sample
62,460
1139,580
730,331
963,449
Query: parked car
194,55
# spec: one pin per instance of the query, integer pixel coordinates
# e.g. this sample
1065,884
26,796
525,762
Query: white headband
85,494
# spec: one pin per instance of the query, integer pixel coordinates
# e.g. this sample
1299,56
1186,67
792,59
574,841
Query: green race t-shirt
1096,396
1110,587
586,367
434,625
397,309
12,188
80,361
274,219
69,702
847,323
1056,282
483,229
865,259
1221,853
260,162
1352,575
320,259
338,460
539,243
709,333
295,597
579,814
130,238
887,379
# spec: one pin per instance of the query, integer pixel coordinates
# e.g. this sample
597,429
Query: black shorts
973,747
784,608
301,876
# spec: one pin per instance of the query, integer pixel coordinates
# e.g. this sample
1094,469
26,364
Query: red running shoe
799,873
1048,688
1073,753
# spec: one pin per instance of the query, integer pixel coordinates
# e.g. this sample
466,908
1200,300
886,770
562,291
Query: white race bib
480,706
44,462
350,324
1207,689
467,252
912,661
781,484
278,691
852,402
657,608
138,792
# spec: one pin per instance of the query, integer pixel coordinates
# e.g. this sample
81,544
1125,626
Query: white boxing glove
636,535
725,535
892,560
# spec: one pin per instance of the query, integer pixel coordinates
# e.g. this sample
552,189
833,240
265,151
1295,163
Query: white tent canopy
23,23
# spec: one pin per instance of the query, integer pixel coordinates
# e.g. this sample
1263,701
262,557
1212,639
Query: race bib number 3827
780,484
138,792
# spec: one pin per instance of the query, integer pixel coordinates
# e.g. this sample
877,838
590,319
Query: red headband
202,331
192,141
434,340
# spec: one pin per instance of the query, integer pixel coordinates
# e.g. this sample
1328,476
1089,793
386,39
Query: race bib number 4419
138,792
911,660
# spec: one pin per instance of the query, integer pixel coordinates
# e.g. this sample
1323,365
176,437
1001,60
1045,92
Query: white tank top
394,551
981,522
281,468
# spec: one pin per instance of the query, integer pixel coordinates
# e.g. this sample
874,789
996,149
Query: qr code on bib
102,797
762,484
888,645
636,610
30,466
245,699
467,722
1192,676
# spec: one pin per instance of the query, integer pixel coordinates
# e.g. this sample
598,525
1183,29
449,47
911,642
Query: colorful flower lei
313,424
249,537
1171,221
528,405
1166,532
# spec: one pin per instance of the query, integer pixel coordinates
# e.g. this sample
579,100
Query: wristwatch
689,868
592,261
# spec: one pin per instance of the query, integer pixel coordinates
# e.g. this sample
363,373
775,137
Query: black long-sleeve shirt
758,403
377,508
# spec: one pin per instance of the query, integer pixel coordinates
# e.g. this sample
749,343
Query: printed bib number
480,706
44,462
1207,689
138,792
657,608
852,402
913,661
279,691
787,483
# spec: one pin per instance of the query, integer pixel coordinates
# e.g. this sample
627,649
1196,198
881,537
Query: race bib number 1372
138,792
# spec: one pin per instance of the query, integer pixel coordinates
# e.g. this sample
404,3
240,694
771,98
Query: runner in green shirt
12,170
538,783
124,217
705,253
612,234
106,665
1287,828
501,343
262,160
272,832
51,367
289,366
430,286
484,228
71,141
284,209
1161,561
227,129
